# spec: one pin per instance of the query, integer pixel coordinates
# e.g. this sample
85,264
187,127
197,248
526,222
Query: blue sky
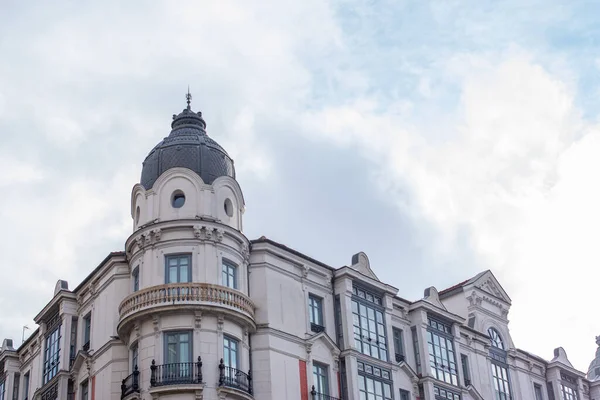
440,137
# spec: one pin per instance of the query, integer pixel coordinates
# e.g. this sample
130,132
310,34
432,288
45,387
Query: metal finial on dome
188,97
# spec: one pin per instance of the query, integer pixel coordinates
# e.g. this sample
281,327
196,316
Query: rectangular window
338,323
442,359
568,392
398,344
464,361
178,268
374,383
26,386
444,394
73,343
136,279
315,310
229,275
404,395
230,352
134,357
320,379
416,349
501,384
17,382
537,390
51,354
369,330
2,388
84,390
87,330
178,357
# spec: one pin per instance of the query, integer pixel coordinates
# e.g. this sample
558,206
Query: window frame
135,355
85,394
228,341
2,388
136,278
404,394
501,381
87,331
26,385
321,370
440,344
52,349
442,393
537,389
16,385
315,304
177,333
464,362
377,375
229,274
398,339
178,256
382,347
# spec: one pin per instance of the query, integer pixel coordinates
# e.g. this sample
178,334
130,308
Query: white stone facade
162,320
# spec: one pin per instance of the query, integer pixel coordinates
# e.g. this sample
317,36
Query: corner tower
188,315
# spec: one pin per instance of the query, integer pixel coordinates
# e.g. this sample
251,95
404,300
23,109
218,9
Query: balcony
187,373
191,295
400,357
314,395
234,378
131,384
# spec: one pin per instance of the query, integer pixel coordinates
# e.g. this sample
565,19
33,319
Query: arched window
499,365
496,339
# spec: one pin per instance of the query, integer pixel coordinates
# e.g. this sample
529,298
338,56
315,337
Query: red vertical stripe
303,381
339,385
93,388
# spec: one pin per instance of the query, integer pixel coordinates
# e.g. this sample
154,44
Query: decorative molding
156,232
204,232
198,320
156,323
220,321
245,252
136,330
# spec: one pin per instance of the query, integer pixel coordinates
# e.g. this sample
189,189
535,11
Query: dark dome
187,146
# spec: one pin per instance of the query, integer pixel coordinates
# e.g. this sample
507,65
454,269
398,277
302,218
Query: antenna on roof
188,97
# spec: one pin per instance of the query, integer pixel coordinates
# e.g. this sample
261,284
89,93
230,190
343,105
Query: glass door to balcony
178,349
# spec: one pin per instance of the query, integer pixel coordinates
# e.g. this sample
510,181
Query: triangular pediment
360,262
322,339
488,283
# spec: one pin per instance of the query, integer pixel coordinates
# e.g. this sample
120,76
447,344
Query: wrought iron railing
232,377
176,373
131,384
320,396
186,294
316,328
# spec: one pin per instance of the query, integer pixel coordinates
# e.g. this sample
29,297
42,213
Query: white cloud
512,174
18,171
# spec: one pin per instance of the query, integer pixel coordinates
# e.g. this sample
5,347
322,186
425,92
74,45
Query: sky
442,138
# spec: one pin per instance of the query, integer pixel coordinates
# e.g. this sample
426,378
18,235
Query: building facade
192,309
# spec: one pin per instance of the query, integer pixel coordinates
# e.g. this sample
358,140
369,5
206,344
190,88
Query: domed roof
187,146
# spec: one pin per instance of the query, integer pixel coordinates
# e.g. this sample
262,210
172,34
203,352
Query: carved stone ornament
156,232
197,319
204,232
245,252
139,241
155,323
220,321
136,330
305,270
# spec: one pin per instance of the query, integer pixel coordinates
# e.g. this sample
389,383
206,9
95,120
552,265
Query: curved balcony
192,295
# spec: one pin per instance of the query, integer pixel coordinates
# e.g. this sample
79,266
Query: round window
228,207
137,215
178,199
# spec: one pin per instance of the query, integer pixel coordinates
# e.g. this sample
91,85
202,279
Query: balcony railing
176,373
86,346
400,357
186,293
320,396
131,384
234,378
316,328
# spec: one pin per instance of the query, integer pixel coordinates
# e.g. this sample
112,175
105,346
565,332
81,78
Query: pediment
488,283
322,339
360,263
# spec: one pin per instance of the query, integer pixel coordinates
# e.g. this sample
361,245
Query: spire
188,97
